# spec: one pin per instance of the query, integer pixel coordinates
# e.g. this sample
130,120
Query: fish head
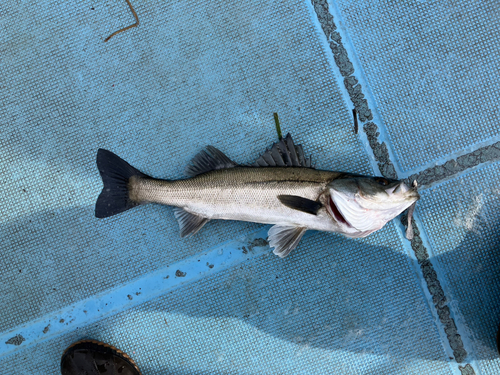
362,205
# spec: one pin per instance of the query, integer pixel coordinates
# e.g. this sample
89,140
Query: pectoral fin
284,238
301,204
189,223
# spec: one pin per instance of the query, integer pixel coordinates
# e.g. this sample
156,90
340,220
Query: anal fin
189,223
284,238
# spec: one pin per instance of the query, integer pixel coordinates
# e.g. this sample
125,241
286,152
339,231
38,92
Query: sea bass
280,188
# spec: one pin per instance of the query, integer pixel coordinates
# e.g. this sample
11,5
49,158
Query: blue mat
193,74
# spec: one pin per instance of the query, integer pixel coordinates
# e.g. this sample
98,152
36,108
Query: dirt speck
61,321
130,297
46,329
16,340
179,273
258,242
210,265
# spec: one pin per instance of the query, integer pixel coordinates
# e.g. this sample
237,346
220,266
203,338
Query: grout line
450,168
334,70
383,158
224,256
356,83
450,156
419,245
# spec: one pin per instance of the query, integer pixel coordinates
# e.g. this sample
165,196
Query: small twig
278,128
355,115
128,27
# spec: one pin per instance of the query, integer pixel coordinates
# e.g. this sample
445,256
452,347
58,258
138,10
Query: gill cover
368,203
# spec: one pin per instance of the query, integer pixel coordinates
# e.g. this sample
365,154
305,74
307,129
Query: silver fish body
244,193
280,188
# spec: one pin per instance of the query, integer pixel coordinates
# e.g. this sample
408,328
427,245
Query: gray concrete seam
455,166
438,296
387,169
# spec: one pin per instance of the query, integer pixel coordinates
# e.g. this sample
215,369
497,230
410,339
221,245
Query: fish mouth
337,215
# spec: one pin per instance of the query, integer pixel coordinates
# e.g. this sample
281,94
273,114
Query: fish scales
241,193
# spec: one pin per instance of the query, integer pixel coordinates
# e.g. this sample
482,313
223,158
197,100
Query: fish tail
116,174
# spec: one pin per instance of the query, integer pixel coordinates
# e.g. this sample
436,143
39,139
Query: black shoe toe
90,357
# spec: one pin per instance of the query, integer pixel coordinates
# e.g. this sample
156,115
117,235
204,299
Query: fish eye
382,181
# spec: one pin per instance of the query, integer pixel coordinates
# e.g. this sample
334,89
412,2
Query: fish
281,188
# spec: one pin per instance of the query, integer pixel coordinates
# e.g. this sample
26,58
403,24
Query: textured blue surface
461,218
156,111
432,68
194,74
334,304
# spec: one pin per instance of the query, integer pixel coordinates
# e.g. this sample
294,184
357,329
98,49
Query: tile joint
386,167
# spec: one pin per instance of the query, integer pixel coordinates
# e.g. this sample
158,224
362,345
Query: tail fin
115,173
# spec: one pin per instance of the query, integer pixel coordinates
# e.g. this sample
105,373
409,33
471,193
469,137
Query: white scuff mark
470,217
292,310
352,336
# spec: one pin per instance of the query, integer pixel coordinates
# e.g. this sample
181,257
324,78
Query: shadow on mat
332,293
340,294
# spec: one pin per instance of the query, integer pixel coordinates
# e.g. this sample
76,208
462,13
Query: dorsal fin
284,154
208,159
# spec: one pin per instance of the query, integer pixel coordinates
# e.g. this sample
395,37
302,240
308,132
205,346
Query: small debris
16,340
245,251
355,116
46,329
128,27
278,127
61,321
210,265
130,297
467,370
179,273
258,242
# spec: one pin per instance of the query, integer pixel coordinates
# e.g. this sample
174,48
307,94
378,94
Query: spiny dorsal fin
284,238
300,204
208,159
284,154
189,223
